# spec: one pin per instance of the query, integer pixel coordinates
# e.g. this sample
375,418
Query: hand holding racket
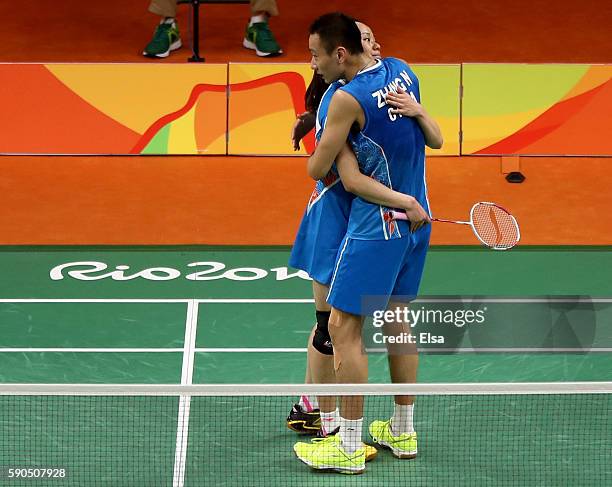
416,215
493,225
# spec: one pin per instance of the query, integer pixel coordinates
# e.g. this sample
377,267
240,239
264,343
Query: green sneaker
166,39
328,454
259,37
402,446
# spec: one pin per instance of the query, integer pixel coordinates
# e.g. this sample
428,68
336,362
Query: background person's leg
166,38
163,8
258,35
268,6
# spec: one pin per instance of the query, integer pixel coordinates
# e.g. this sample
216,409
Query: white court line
295,350
153,301
470,300
257,301
251,350
191,325
182,427
127,300
504,350
466,300
90,350
248,390
79,300
425,350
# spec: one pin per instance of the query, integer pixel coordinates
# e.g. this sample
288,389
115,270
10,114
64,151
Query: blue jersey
332,180
325,220
390,148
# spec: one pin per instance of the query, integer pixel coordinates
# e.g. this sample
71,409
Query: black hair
337,29
314,92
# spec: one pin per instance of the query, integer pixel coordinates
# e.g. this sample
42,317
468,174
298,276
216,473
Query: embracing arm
304,123
371,190
405,105
343,112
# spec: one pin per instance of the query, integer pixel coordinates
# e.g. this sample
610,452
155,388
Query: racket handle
450,221
400,215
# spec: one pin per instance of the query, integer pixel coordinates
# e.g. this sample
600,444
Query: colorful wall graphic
440,96
265,99
113,108
185,109
537,109
264,102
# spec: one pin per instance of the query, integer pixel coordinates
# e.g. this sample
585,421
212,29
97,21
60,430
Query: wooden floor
436,31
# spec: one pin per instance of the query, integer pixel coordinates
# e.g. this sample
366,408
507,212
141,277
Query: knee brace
321,340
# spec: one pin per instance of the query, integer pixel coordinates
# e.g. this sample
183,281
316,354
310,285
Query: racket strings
495,227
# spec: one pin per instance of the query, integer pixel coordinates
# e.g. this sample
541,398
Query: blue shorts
368,272
320,234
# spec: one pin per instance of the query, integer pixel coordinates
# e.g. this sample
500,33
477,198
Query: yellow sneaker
370,451
402,446
329,454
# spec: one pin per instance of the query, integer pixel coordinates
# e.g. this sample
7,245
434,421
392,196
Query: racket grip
398,215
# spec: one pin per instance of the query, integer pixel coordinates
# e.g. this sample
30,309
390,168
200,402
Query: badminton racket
493,225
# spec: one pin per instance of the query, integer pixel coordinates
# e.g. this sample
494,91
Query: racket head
494,226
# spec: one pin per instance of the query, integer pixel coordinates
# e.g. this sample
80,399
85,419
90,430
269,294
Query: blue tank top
331,182
390,148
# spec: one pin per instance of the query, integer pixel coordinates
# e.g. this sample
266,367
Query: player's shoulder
333,87
343,95
398,64
344,100
336,85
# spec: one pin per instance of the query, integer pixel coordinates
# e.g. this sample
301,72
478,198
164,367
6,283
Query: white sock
401,422
330,421
168,20
258,18
350,434
309,403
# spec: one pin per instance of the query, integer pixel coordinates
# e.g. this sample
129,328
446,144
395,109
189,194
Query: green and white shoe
165,40
402,446
328,454
259,37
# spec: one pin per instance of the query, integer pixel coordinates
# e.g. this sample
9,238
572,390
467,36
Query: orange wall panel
259,201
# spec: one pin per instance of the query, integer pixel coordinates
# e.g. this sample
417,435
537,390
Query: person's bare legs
319,366
350,363
351,367
403,357
403,364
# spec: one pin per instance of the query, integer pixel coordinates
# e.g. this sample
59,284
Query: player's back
389,148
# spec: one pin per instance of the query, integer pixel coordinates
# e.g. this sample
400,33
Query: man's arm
343,112
405,105
371,190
